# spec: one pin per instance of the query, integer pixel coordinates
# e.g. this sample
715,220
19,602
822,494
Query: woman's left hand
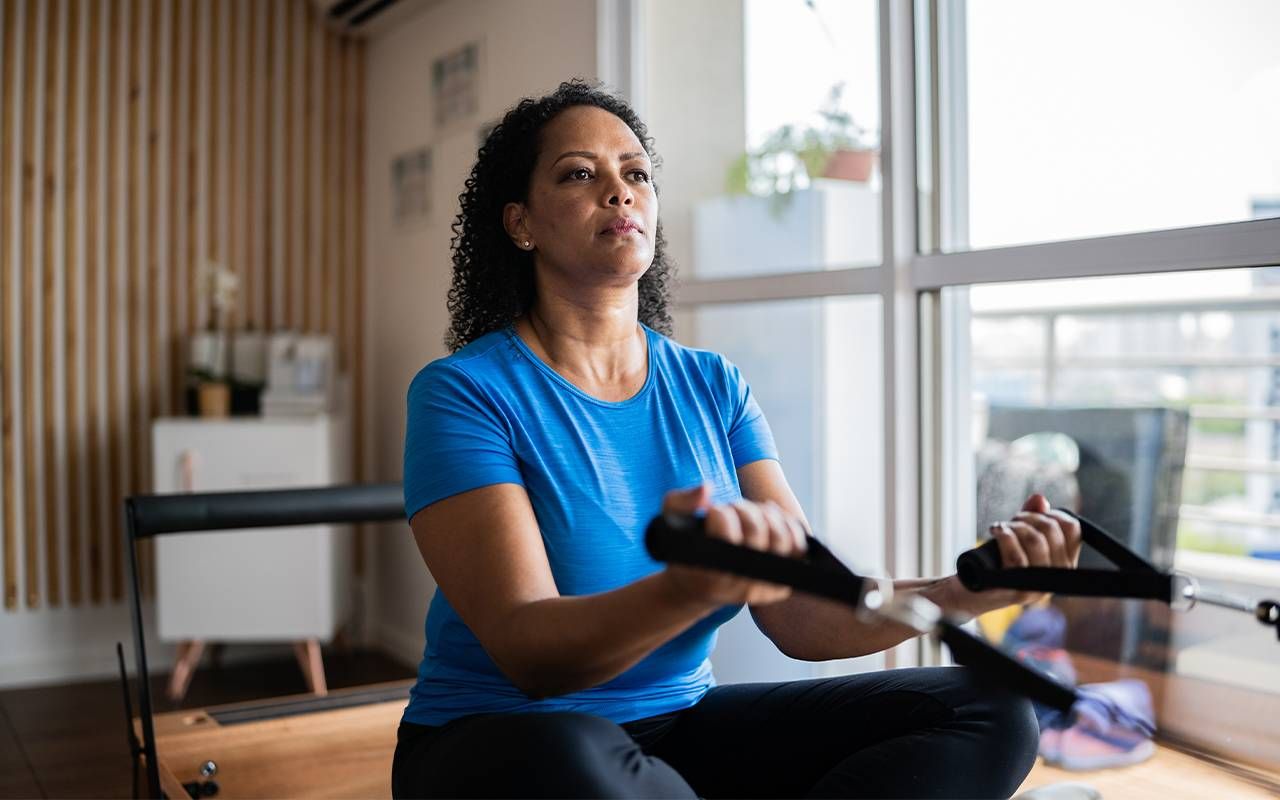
1037,536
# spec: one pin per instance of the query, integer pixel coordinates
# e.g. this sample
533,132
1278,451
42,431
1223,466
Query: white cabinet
267,584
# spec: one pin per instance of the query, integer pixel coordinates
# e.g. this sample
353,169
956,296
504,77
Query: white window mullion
1254,243
899,303
789,286
620,37
952,147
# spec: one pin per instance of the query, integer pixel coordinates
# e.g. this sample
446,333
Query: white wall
528,48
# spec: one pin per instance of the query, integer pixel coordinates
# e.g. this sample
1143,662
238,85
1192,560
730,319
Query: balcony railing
1052,364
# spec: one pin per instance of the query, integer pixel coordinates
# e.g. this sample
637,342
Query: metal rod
139,640
1223,600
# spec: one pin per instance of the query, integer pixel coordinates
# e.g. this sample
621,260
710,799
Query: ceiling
380,16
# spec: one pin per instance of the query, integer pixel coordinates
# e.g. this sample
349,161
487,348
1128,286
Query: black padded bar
212,511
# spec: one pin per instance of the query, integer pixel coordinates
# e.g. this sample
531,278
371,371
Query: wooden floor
347,753
69,740
1168,775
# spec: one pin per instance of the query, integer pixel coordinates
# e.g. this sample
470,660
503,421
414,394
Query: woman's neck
599,347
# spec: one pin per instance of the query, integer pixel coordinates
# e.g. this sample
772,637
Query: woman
561,661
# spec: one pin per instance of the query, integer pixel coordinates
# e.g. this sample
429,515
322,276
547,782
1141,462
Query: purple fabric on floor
1111,725
1116,706
1043,627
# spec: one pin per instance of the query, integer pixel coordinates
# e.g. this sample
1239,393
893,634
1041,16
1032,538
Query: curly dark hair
492,278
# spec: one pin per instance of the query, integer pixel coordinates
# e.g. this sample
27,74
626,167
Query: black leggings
926,732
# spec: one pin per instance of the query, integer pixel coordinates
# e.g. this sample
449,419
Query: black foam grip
981,568
682,539
972,566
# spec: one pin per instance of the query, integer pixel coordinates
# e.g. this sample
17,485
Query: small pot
850,165
214,399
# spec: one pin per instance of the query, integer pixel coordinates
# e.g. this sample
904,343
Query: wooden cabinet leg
184,667
308,653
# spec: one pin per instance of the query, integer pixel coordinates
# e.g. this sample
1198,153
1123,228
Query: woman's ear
513,220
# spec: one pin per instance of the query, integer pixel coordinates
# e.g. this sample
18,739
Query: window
1095,118
1094,186
771,153
1163,394
1113,352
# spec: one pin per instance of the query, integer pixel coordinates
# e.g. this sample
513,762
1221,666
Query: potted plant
846,146
791,156
208,362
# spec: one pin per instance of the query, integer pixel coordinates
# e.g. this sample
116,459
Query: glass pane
1163,396
1082,116
771,152
815,368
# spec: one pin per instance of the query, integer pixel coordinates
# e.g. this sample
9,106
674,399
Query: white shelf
266,584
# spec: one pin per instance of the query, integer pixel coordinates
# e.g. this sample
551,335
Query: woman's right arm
485,551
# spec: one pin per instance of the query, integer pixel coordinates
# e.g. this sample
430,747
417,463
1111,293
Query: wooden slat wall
139,141
9,105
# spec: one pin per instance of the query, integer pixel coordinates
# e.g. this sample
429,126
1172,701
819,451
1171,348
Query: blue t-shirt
595,472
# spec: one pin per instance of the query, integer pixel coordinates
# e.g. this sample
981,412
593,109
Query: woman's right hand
760,526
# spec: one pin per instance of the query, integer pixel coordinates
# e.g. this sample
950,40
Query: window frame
923,235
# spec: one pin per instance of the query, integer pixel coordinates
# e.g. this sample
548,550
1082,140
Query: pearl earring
526,244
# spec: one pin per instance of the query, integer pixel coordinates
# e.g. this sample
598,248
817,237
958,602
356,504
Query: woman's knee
1012,717
1011,732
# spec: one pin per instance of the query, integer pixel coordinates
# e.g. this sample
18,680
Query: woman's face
591,214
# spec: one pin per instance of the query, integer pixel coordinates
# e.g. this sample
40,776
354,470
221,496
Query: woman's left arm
814,629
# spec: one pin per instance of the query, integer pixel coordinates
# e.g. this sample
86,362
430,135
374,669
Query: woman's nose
620,194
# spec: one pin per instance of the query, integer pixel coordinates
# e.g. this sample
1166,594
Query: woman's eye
641,175
581,173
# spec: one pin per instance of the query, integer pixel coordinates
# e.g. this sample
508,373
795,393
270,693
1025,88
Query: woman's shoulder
472,365
708,363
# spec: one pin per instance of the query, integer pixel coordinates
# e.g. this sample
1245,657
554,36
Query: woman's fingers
686,501
1038,536
1048,528
723,523
1033,543
781,542
755,528
1071,534
760,526
1011,553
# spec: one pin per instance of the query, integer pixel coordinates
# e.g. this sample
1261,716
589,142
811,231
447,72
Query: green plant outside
790,152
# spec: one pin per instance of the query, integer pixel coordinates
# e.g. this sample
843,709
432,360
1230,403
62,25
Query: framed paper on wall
455,87
411,189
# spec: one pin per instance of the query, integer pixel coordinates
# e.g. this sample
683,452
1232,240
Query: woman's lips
622,228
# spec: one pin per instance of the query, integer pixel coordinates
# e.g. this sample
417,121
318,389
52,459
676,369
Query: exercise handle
974,565
682,539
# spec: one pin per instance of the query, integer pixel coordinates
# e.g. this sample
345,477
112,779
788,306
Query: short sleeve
750,438
454,439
